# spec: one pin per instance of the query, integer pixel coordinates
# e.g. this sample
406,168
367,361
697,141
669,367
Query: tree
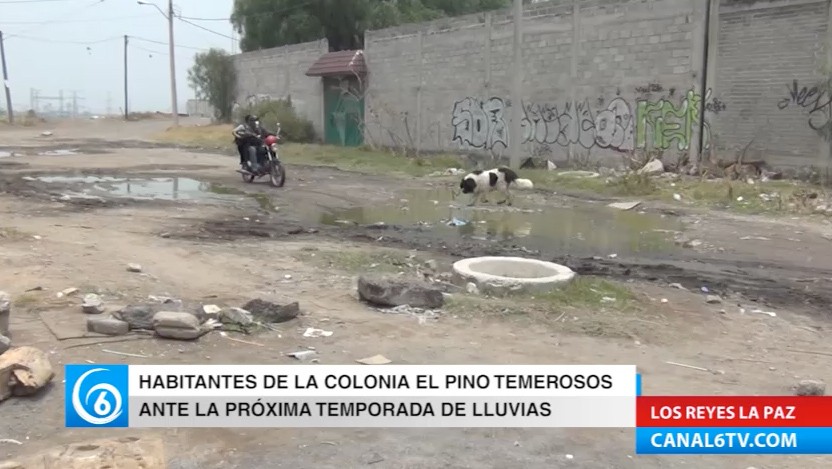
272,23
214,79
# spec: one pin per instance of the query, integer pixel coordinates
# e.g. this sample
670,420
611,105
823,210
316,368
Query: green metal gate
344,113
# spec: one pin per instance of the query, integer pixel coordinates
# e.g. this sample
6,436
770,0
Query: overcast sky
78,45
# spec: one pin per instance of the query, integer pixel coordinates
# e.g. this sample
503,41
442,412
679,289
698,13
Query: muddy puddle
580,229
159,188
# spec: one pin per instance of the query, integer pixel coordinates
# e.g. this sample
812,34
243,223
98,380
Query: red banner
734,411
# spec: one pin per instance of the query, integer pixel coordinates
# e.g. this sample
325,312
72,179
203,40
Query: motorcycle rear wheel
277,174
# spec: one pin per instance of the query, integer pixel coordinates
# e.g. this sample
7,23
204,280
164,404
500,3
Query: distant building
200,108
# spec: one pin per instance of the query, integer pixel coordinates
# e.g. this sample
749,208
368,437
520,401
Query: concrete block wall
280,72
599,76
767,61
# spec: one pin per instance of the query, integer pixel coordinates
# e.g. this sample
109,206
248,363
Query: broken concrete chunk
652,167
713,299
236,316
269,312
810,387
138,316
93,304
107,326
5,312
177,325
24,371
396,291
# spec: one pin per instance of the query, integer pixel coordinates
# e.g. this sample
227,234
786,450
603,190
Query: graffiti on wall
661,123
814,100
480,124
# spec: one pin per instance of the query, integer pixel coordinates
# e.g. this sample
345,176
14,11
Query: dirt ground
227,246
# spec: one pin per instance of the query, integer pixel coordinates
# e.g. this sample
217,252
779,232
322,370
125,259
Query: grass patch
344,158
770,197
264,201
360,261
588,306
26,300
218,135
215,188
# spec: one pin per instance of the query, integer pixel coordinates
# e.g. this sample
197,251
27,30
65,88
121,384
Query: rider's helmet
253,121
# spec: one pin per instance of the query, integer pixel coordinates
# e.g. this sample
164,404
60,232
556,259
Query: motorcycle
268,161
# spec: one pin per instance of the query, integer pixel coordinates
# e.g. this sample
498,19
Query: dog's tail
524,184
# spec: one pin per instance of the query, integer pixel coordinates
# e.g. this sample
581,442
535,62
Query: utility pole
126,113
6,80
516,136
174,106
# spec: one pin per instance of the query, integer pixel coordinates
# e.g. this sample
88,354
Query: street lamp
169,16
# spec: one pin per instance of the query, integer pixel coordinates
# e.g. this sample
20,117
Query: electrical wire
203,19
63,41
94,20
205,29
139,38
8,2
59,19
151,51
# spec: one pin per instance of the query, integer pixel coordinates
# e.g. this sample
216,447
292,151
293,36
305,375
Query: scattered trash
312,332
67,292
287,277
9,440
225,334
713,299
740,199
678,286
374,360
758,238
125,354
613,256
664,300
472,288
135,268
677,197
303,355
570,457
457,222
691,367
768,313
624,205
46,134
705,290
608,299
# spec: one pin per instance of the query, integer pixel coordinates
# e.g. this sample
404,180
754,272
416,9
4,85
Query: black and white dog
479,183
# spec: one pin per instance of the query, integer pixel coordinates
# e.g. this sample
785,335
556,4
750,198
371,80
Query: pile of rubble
168,319
23,370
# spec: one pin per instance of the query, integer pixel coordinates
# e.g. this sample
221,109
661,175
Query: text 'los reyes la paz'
723,412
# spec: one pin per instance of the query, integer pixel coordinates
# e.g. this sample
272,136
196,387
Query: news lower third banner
734,425
452,396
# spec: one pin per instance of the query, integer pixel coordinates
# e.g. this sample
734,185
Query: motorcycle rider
248,137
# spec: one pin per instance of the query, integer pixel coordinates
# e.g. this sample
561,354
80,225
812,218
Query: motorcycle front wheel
277,174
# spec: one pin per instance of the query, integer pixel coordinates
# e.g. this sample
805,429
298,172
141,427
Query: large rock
652,167
177,325
107,326
397,291
93,304
810,387
138,316
5,312
23,371
269,312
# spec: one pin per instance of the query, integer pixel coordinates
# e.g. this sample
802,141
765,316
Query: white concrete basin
512,274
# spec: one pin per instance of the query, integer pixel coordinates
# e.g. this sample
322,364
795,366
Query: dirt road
209,238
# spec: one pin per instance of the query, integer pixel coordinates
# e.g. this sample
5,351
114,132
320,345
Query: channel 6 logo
96,395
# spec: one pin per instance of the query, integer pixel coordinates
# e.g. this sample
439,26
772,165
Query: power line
203,19
59,19
139,38
64,41
151,51
94,20
33,1
205,29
